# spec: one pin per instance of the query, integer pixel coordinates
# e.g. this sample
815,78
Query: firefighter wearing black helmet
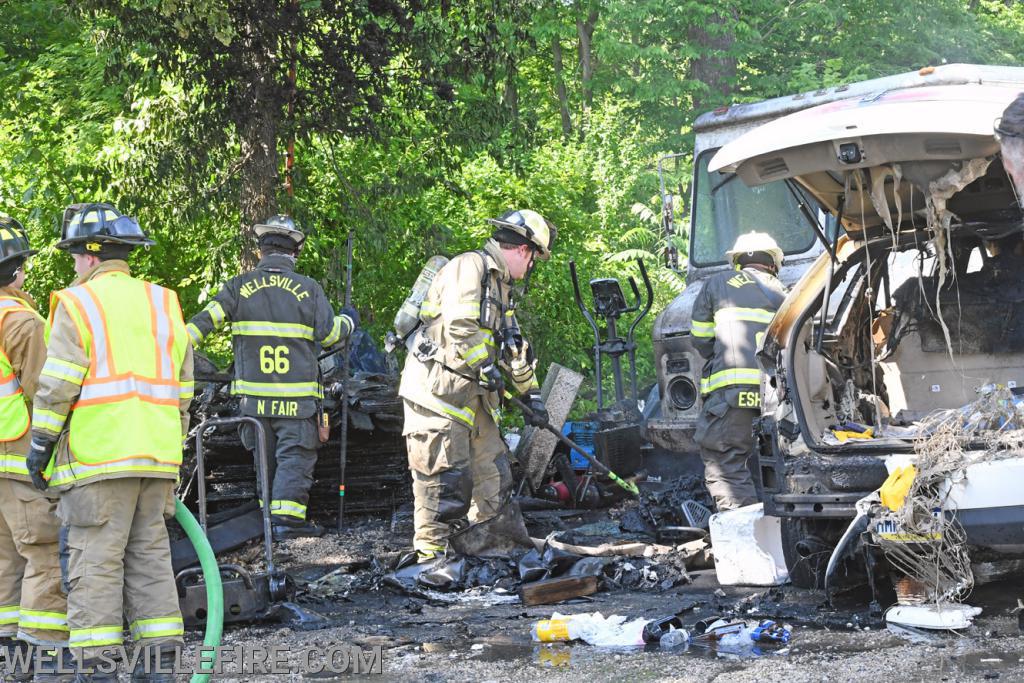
108,422
33,611
453,377
280,320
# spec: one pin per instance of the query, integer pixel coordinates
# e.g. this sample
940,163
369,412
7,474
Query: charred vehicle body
723,207
908,327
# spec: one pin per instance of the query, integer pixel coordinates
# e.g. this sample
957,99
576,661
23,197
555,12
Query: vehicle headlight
682,393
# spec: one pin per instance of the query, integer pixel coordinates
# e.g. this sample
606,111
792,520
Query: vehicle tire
807,544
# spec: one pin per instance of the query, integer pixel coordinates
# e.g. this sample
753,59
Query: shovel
597,464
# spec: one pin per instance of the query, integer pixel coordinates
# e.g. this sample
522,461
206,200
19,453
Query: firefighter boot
156,665
289,527
94,671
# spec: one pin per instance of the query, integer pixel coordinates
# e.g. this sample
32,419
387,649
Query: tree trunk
257,128
563,97
585,31
258,198
511,97
715,67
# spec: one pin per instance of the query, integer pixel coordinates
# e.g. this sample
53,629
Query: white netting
924,540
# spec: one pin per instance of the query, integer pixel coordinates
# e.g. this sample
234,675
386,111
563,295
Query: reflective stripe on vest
424,398
136,341
116,389
728,378
753,315
14,415
77,471
261,328
13,464
276,389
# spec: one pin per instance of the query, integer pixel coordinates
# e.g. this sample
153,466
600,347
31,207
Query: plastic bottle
738,640
674,638
560,628
408,316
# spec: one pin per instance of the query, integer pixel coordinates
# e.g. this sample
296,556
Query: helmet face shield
125,226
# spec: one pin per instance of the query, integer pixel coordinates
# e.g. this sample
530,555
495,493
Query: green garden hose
214,590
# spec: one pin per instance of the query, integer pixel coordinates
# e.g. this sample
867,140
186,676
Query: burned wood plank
537,446
555,590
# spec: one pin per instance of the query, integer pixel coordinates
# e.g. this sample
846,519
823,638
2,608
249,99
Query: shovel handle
600,466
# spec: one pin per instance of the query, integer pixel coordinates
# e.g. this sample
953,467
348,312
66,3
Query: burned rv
902,343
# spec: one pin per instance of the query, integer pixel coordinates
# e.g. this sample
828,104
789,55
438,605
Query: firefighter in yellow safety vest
33,610
112,405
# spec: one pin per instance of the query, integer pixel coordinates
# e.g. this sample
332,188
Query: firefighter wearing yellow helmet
466,352
730,316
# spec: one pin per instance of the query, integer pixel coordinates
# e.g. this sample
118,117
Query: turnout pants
32,606
725,436
120,563
291,455
456,470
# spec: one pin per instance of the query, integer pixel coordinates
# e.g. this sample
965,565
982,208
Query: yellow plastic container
895,489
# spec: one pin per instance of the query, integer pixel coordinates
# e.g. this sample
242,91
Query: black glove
491,379
537,416
38,459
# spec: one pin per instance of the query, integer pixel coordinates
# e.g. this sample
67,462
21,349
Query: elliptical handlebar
636,321
636,292
593,326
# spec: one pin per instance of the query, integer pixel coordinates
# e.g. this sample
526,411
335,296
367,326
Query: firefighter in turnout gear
453,377
33,610
729,319
280,320
109,417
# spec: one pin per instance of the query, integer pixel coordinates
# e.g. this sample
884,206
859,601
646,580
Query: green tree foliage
414,120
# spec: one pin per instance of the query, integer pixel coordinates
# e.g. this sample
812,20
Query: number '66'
274,359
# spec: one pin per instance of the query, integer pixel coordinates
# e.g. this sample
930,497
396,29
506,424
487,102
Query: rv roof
949,74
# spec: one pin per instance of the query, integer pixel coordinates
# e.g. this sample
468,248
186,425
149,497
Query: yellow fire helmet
756,242
531,225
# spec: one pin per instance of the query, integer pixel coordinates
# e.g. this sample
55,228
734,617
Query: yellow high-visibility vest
14,414
126,418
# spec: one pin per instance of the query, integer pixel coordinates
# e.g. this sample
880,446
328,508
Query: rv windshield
725,207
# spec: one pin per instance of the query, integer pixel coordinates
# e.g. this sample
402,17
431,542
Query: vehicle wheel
807,545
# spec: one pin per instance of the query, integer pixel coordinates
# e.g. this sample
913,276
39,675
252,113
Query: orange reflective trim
121,397
23,433
174,323
116,398
170,331
106,333
129,457
79,320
